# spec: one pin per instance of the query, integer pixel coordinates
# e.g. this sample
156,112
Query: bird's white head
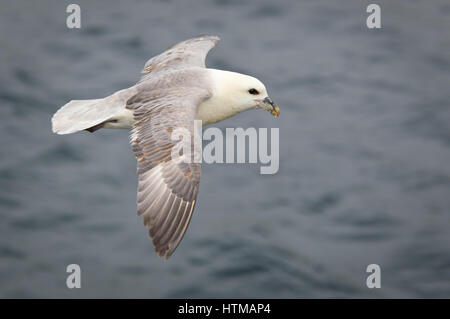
234,93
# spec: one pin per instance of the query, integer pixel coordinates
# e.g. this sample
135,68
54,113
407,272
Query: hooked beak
268,105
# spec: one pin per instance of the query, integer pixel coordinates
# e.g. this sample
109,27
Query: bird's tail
78,115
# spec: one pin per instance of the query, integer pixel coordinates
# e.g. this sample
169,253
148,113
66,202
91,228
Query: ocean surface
364,144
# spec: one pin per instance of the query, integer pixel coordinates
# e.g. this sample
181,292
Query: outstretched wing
188,53
168,184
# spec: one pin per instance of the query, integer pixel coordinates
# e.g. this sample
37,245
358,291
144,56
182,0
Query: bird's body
176,88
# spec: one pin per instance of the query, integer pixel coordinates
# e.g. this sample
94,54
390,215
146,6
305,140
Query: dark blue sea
364,144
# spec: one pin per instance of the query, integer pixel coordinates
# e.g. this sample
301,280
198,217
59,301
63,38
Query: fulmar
175,89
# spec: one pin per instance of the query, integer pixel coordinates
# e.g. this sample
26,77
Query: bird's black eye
253,91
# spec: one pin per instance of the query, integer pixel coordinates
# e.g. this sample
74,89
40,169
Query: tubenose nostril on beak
268,100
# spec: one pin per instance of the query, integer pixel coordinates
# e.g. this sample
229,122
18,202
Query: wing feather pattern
189,53
167,187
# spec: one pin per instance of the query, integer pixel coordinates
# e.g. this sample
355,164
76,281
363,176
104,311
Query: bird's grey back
189,77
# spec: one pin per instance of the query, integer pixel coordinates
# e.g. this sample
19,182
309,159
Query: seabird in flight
175,89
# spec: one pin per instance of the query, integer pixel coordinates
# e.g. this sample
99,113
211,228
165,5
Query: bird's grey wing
188,53
168,186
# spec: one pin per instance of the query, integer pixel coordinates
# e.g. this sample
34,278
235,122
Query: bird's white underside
81,114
